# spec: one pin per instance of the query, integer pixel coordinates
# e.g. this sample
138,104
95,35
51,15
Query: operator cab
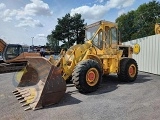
103,34
12,51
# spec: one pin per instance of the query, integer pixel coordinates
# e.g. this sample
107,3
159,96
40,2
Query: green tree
78,28
63,31
146,17
126,25
139,23
52,42
70,29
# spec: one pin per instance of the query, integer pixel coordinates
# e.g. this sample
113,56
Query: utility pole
32,44
32,40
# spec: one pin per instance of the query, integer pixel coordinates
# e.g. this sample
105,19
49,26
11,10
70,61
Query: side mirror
12,51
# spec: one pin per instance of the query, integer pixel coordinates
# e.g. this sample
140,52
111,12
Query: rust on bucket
40,85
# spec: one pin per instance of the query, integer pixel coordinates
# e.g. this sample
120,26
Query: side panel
148,58
110,63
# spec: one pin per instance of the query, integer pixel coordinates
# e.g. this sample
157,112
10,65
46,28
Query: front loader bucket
40,85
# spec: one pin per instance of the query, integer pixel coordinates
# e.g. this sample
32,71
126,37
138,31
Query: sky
24,21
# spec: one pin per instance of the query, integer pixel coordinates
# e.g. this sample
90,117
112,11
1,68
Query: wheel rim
132,70
92,77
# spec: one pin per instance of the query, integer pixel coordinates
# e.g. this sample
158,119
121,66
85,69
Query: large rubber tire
128,70
87,76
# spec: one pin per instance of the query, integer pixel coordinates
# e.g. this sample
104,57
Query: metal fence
149,57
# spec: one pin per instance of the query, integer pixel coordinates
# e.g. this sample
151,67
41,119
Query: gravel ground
114,100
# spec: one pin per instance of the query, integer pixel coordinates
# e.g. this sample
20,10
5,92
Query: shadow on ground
111,82
143,78
66,100
108,84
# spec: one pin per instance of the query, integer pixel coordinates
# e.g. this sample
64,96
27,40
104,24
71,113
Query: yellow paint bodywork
72,57
108,59
157,28
136,48
108,56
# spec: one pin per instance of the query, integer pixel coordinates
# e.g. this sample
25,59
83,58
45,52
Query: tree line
132,25
140,22
69,30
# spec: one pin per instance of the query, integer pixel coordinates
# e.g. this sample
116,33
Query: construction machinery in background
43,80
9,67
157,28
39,83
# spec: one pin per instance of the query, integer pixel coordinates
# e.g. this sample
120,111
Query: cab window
114,36
97,41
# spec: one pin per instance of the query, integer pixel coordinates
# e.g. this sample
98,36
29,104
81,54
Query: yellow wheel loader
102,54
43,80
